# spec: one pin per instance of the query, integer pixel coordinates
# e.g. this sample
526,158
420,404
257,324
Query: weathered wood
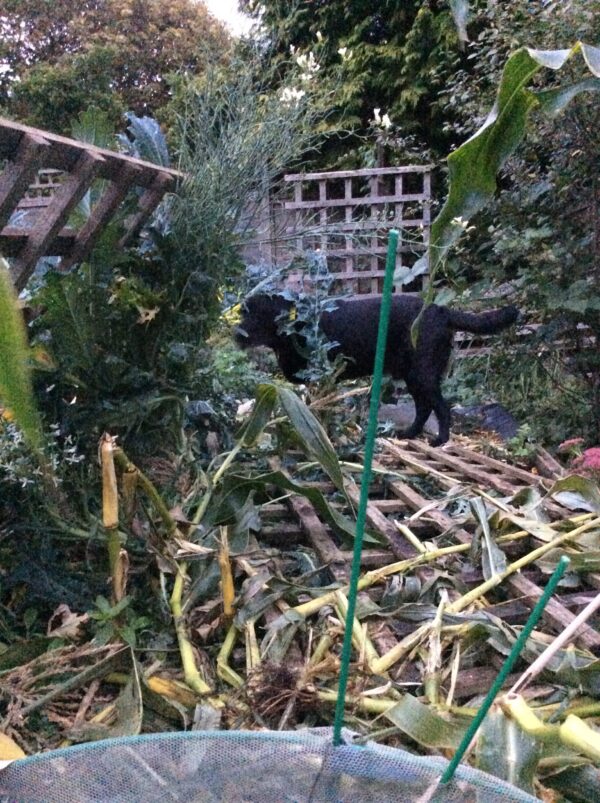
65,153
370,200
317,533
17,175
505,469
146,205
420,466
14,239
351,222
440,520
478,680
554,613
362,172
47,175
102,212
55,216
375,518
482,472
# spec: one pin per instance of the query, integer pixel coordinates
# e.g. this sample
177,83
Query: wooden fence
347,216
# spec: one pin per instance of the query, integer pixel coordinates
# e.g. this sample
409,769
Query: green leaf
94,127
576,493
266,398
235,488
16,393
573,782
507,752
474,165
493,558
554,101
423,725
313,436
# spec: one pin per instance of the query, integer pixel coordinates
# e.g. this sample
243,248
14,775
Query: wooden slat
440,520
14,239
378,522
506,469
479,473
102,212
555,613
359,227
146,205
17,175
65,153
55,216
362,172
317,533
367,200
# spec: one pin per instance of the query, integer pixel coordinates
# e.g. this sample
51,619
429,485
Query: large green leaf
424,725
234,490
266,398
473,167
15,376
493,558
576,493
504,750
313,436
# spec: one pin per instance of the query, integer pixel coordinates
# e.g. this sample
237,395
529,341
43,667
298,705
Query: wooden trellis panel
397,499
44,178
347,215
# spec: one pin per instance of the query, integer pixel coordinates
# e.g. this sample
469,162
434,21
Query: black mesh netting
241,767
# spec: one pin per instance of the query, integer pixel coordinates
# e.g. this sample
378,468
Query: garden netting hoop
243,767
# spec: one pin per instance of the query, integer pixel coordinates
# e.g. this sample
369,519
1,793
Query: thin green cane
507,666
384,315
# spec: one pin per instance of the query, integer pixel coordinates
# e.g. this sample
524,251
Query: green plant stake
386,302
508,665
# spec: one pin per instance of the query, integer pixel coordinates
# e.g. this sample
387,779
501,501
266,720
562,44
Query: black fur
354,325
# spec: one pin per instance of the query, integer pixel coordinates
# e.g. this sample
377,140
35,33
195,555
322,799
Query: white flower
289,94
319,36
345,53
308,64
381,121
462,223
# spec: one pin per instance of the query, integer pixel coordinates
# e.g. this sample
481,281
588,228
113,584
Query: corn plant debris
459,547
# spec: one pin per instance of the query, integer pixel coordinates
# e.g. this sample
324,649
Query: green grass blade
16,392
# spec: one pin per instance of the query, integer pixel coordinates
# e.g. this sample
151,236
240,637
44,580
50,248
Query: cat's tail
482,323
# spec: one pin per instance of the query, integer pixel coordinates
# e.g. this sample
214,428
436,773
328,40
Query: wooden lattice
347,215
44,178
395,499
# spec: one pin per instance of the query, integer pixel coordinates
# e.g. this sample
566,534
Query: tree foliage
113,53
541,231
395,57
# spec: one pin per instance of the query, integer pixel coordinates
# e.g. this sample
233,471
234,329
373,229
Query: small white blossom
319,36
382,121
345,53
290,94
462,223
308,64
